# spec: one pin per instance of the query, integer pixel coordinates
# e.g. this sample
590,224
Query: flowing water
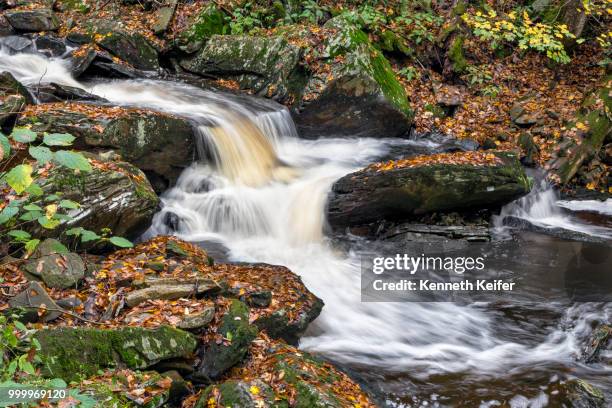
261,192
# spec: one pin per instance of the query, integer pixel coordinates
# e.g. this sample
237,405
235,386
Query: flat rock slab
170,291
33,299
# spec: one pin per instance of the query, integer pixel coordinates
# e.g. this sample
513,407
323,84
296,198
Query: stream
259,196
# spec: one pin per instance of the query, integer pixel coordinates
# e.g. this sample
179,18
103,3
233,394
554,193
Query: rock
267,66
364,97
81,61
163,17
159,144
529,148
94,349
427,233
48,246
5,27
10,86
170,291
58,271
565,234
599,128
313,382
370,195
209,21
580,394
119,198
179,388
261,298
52,92
132,48
489,144
449,98
50,46
71,302
112,70
197,320
31,299
33,20
216,359
237,393
598,342
18,43
10,106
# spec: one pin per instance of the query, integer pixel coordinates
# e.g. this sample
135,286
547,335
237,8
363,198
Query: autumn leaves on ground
162,323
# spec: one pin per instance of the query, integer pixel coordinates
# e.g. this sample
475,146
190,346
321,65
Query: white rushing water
263,197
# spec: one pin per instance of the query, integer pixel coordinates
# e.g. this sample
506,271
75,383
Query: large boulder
266,66
356,93
348,87
161,145
71,352
33,20
113,195
443,182
132,47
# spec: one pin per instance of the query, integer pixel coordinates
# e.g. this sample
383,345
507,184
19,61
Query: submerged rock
92,349
598,342
33,20
377,193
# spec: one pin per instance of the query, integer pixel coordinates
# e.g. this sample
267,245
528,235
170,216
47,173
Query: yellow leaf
50,210
590,186
254,390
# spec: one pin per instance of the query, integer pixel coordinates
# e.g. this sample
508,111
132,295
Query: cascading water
261,193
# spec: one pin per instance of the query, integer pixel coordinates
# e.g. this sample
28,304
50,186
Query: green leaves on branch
72,160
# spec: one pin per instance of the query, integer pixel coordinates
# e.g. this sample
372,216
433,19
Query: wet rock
597,342
10,106
92,349
31,300
132,48
119,198
159,144
17,43
50,46
238,333
370,195
580,394
424,232
264,65
364,97
179,388
565,234
112,70
81,61
52,92
33,20
197,320
529,148
163,17
10,86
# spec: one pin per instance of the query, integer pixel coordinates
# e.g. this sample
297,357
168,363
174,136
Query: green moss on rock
72,352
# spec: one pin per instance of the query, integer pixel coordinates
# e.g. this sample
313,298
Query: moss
93,349
456,56
209,22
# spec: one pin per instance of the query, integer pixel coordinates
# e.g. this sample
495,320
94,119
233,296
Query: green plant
410,73
517,27
310,11
475,75
28,203
490,90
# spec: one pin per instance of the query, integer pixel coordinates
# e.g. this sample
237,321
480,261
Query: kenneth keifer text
427,285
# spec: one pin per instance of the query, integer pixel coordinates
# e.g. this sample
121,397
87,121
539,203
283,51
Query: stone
5,27
50,46
10,86
169,291
216,359
93,349
580,394
52,92
61,271
597,342
179,388
197,320
530,150
237,393
17,43
163,17
81,61
71,302
119,197
33,20
369,195
31,299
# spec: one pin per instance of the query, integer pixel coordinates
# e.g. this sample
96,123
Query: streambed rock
118,197
13,98
33,20
376,193
354,93
161,145
92,349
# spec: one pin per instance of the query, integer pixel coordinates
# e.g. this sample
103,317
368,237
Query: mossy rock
239,394
210,21
370,195
267,66
362,96
456,55
110,393
35,20
119,197
93,349
239,333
